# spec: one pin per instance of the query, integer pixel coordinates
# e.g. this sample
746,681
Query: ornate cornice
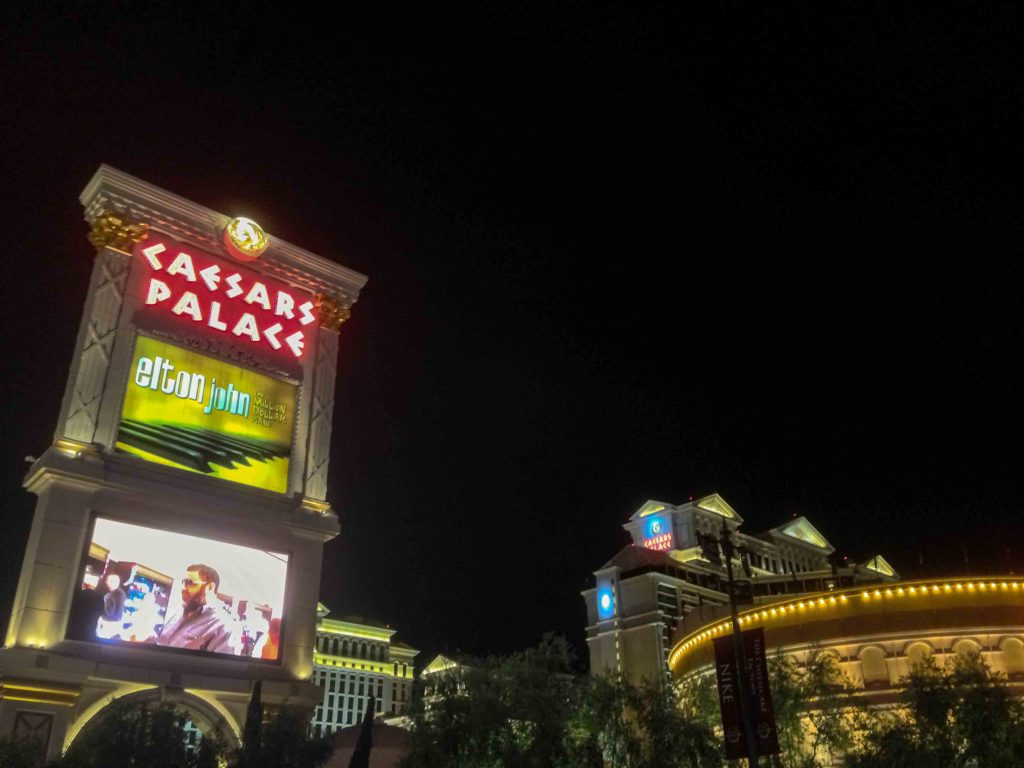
189,222
332,312
113,230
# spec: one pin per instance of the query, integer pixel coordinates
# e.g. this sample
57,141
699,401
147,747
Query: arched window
345,648
1013,657
917,652
873,667
966,647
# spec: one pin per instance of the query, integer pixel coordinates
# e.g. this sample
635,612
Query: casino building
672,573
658,604
182,509
354,659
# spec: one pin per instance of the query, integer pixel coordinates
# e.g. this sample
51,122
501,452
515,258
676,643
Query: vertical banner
756,662
729,698
765,730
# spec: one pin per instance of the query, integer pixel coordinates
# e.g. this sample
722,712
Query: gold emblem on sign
245,239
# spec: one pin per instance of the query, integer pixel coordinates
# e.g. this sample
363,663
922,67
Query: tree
817,711
127,735
961,716
285,742
499,711
530,709
20,754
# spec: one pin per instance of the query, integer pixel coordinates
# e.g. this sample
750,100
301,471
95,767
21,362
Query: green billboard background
219,420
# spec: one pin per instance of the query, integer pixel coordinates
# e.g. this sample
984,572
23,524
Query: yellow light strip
843,597
71,447
15,686
31,700
344,661
351,630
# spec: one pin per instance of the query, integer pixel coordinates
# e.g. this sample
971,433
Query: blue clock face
605,603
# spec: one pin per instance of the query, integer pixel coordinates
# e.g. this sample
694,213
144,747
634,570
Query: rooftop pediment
802,530
717,505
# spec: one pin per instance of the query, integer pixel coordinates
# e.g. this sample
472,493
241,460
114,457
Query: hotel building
672,576
353,660
658,604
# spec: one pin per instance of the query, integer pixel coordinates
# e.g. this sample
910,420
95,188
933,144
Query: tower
182,508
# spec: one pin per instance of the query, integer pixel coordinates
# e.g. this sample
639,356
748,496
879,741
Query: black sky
614,254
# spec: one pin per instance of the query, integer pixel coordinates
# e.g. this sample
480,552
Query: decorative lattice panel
97,345
321,415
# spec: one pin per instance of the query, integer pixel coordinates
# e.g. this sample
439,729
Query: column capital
113,230
333,312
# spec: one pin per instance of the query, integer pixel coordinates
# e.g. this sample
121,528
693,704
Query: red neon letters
224,298
660,542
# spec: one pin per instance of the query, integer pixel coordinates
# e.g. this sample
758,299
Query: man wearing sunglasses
203,624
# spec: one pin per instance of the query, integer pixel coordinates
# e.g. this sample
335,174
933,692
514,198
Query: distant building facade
672,573
352,660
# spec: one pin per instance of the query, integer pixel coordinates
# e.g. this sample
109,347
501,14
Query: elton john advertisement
205,415
142,586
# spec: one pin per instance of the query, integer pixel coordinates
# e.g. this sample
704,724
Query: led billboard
205,415
143,586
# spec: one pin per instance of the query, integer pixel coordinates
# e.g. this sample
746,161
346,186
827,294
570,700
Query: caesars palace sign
196,286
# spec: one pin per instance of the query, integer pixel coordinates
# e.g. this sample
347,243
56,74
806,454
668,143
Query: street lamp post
742,679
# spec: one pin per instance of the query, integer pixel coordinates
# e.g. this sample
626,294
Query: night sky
645,252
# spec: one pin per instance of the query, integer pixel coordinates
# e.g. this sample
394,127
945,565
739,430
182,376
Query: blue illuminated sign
605,603
658,532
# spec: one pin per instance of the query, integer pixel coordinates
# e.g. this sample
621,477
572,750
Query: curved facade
877,633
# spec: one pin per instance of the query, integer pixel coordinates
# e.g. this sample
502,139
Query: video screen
205,415
143,586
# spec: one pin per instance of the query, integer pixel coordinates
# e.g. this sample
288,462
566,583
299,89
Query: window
916,653
966,647
873,667
1013,657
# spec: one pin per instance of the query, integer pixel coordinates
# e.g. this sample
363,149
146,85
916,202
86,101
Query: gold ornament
113,230
245,239
332,312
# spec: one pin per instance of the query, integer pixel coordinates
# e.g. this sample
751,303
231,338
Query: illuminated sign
143,586
657,533
605,603
204,415
215,296
245,239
